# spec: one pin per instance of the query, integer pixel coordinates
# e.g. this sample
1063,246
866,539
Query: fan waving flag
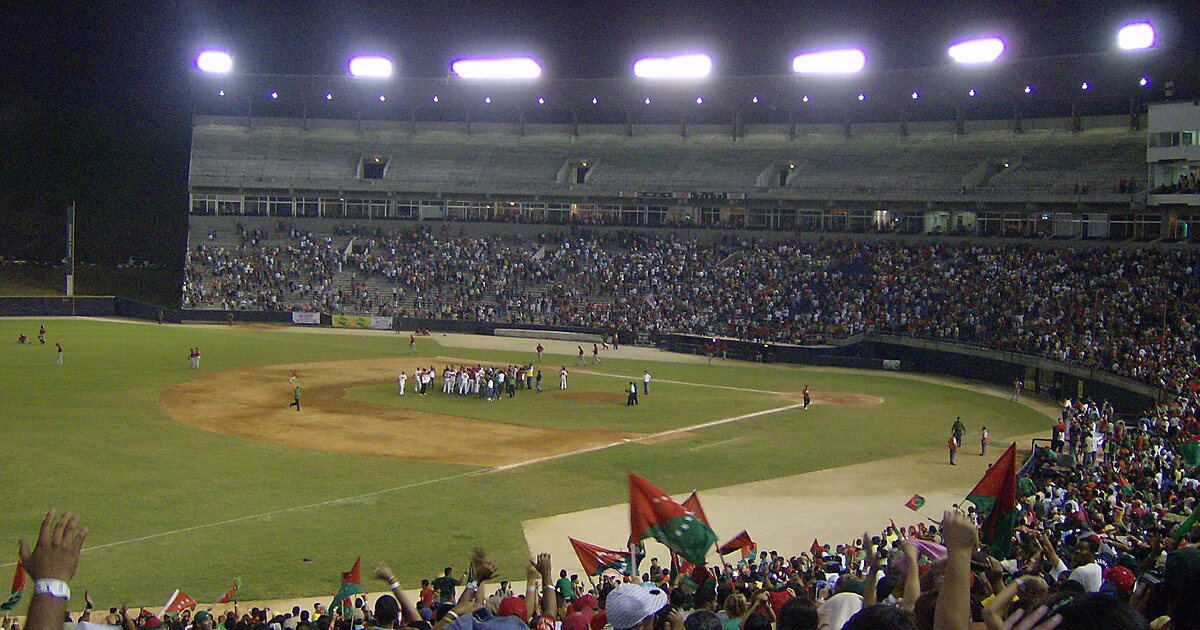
741,543
351,585
597,560
18,587
653,514
231,594
177,603
692,504
995,497
915,503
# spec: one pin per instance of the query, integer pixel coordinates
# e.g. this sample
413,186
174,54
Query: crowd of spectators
1100,541
1128,311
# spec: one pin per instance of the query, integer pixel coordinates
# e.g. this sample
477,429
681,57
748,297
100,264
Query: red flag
231,594
177,603
352,576
596,560
741,543
1079,516
653,514
692,504
816,547
18,588
995,498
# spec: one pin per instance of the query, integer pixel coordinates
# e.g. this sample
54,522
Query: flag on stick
351,584
741,543
915,503
653,514
18,588
995,497
692,504
597,560
177,603
231,595
1190,451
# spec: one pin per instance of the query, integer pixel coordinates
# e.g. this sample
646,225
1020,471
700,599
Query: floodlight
1084,86
370,67
699,100
541,100
805,99
647,100
329,96
382,98
435,98
1144,81
222,92
1029,89
754,100
499,68
846,61
214,61
862,96
916,95
695,66
487,99
1136,36
595,100
274,95
971,92
982,50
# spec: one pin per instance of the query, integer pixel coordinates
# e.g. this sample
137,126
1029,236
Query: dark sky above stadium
96,105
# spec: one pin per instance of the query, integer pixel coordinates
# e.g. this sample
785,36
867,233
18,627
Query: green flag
351,586
995,497
1190,451
18,587
653,514
1183,528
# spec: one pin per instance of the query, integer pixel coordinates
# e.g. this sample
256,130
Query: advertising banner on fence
306,319
360,321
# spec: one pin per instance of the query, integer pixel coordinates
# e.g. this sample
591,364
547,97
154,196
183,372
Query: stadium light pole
842,61
1136,36
691,66
976,51
501,68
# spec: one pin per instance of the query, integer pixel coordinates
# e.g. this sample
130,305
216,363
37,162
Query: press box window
372,167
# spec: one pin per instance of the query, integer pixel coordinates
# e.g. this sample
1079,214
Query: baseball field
188,478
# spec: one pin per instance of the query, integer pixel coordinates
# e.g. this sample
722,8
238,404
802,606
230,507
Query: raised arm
549,597
408,612
869,591
52,563
912,578
953,611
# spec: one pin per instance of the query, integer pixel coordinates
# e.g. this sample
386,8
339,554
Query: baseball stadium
870,332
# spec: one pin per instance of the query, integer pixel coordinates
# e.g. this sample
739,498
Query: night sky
96,105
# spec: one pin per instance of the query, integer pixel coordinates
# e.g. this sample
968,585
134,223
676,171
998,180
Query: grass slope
90,437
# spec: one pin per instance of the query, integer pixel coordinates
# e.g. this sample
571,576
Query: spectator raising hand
52,563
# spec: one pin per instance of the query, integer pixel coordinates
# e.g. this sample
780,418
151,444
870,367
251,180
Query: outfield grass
90,437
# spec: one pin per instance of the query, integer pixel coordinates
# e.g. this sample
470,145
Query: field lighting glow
370,67
1136,36
982,50
214,61
695,66
499,68
847,61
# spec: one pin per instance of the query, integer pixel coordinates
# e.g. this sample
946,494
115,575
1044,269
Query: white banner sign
381,323
306,319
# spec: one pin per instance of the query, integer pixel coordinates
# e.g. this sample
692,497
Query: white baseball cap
628,604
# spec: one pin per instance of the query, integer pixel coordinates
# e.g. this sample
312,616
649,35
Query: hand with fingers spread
55,556
1018,621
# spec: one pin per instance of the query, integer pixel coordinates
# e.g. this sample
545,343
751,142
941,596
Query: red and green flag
18,588
177,603
1190,451
692,504
741,543
816,548
915,503
597,560
678,566
351,586
995,498
231,594
653,514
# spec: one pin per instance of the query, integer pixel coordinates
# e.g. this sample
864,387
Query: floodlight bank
983,50
214,61
505,68
1136,36
846,61
370,67
680,67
